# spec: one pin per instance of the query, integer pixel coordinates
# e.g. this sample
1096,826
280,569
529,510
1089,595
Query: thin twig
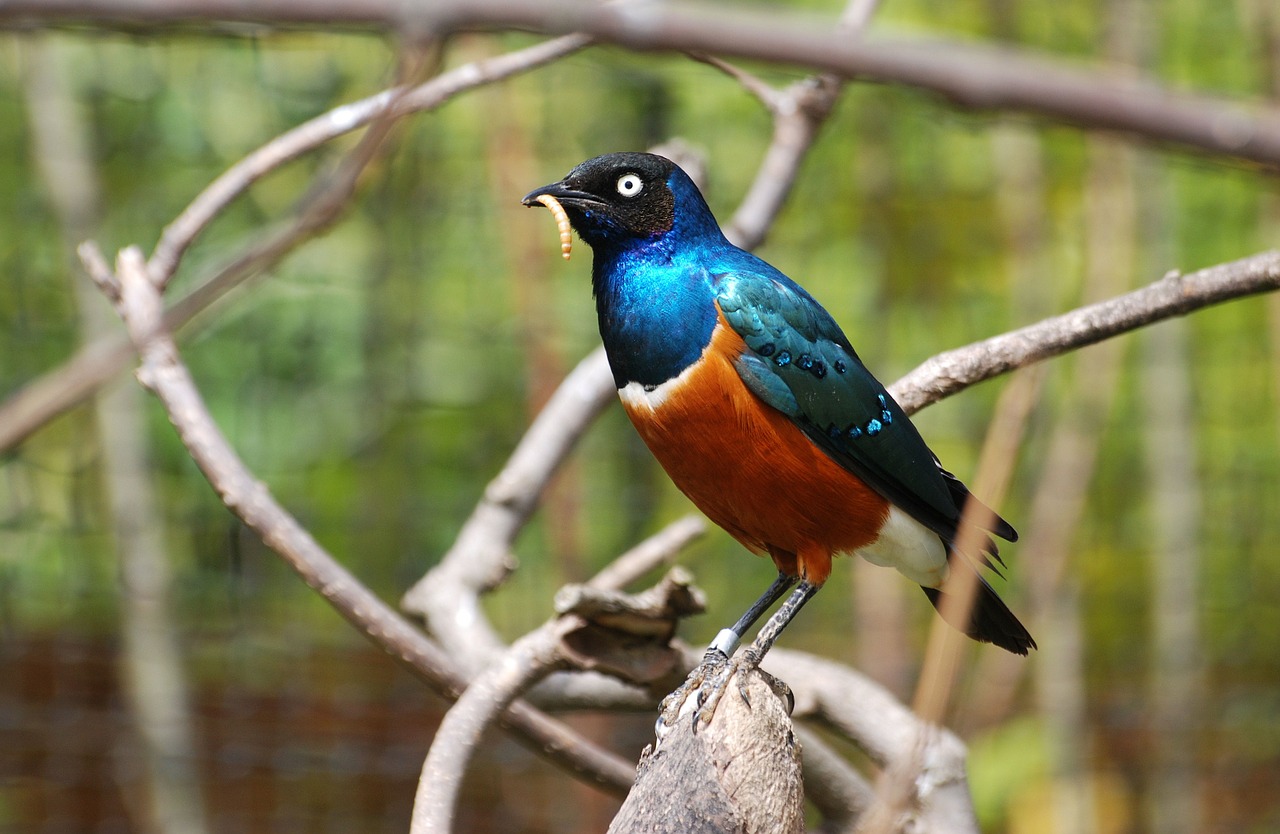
767,95
182,232
66,386
799,113
1174,295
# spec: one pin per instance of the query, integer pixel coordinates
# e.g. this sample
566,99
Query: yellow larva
562,223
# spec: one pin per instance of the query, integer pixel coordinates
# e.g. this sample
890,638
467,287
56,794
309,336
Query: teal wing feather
800,362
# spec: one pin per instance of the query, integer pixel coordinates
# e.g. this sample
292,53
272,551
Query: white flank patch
635,396
906,544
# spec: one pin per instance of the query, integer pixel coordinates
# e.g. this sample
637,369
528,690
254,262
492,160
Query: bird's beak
561,192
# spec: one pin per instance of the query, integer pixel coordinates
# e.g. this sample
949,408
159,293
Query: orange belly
752,471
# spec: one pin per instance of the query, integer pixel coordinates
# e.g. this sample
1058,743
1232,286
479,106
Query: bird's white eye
629,185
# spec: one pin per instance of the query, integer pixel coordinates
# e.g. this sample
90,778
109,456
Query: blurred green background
379,376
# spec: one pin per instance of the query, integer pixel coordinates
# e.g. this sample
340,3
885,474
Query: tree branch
1174,295
970,76
595,627
163,373
58,390
448,596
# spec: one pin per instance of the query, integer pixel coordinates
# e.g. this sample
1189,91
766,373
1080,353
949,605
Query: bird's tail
990,620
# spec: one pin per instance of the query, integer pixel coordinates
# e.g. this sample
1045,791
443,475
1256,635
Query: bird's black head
618,197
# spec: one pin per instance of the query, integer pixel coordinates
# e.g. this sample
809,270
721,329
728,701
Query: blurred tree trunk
1265,19
1175,687
1174,680
151,663
1061,497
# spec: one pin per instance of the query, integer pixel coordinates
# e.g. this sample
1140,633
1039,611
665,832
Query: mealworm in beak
562,223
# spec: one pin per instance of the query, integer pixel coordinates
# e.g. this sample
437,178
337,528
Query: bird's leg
773,627
711,678
710,693
726,642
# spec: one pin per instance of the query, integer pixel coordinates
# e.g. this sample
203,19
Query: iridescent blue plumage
654,294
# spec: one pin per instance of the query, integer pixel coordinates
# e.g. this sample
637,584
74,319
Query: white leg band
726,642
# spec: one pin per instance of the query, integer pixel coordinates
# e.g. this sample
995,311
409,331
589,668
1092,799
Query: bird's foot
702,690
674,705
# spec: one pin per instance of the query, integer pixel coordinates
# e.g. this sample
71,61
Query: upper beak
560,191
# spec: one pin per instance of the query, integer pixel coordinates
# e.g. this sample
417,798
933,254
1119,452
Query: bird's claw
711,687
715,681
700,689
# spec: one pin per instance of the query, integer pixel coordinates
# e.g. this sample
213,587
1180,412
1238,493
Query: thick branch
163,372
971,76
738,773
974,77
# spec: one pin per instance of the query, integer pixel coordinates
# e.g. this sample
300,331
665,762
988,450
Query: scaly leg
726,643
727,640
710,678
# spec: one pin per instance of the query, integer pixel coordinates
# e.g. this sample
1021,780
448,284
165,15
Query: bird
755,403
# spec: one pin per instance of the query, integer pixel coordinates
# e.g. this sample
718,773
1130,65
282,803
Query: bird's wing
800,362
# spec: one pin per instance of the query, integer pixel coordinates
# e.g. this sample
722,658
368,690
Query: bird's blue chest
656,313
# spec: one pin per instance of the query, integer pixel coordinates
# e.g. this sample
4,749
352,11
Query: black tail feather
961,495
990,621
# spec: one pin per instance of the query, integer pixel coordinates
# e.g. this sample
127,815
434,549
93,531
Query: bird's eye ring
629,185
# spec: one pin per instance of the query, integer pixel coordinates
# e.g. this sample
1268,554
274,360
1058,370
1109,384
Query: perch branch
740,772
595,627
